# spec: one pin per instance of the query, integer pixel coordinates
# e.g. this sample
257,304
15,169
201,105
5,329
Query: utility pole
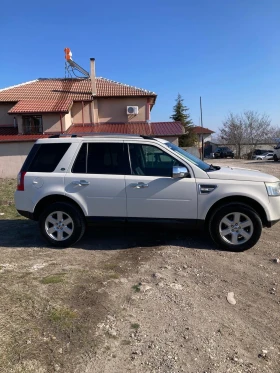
201,124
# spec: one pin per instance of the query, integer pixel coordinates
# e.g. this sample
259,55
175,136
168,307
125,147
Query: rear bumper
26,214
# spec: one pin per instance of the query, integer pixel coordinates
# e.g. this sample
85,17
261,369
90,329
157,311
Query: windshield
189,157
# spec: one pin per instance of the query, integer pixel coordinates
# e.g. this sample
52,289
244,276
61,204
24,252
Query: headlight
273,189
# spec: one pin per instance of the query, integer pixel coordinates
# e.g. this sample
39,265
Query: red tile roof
41,106
201,130
16,138
134,128
69,89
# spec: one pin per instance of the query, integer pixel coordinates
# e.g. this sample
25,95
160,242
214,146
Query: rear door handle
139,185
80,182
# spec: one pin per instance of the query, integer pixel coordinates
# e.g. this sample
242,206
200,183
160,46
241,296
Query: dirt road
137,301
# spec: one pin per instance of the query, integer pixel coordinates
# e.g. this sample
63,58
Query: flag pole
201,124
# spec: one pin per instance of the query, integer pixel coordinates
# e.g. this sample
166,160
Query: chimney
92,76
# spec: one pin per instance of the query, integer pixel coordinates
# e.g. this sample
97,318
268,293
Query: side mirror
180,172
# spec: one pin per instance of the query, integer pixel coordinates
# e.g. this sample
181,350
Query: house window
32,125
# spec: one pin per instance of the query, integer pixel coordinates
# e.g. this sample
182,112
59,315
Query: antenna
73,65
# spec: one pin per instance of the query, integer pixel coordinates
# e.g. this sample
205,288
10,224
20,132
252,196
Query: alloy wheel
236,228
59,226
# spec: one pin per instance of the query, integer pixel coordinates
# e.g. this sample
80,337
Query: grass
53,279
7,204
111,266
135,326
63,317
114,276
136,288
125,342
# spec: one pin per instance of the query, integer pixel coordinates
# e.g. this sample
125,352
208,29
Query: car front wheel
62,224
235,227
275,158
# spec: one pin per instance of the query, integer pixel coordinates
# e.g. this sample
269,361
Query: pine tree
180,115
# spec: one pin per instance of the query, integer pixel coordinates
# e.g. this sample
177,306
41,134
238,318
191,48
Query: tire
234,240
51,224
275,158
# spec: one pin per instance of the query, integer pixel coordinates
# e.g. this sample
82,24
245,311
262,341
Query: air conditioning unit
132,110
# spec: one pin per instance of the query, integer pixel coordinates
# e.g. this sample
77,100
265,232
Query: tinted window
79,166
102,158
149,160
30,157
46,157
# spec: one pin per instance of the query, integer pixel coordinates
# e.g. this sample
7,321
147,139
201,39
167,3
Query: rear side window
102,158
45,157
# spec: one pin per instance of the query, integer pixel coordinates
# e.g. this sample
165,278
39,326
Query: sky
226,51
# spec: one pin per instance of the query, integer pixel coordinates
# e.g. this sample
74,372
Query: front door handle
139,185
80,182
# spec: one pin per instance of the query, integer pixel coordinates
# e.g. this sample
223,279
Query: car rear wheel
235,227
62,224
275,158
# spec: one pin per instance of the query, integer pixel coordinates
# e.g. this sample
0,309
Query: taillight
20,181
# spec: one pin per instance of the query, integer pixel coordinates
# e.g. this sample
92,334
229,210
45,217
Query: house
44,107
202,133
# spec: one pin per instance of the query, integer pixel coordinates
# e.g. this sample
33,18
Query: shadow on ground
24,233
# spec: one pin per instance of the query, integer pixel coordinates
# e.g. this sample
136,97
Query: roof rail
62,135
103,134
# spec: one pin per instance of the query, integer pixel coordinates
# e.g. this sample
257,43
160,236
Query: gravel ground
137,301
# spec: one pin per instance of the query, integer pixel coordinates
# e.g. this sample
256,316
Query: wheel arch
46,201
241,199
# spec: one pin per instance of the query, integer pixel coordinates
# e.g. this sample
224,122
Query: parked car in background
262,151
264,157
223,152
276,153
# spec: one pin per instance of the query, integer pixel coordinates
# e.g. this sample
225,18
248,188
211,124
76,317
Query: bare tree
249,128
275,134
257,128
233,131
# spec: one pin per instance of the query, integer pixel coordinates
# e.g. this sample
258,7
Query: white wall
193,150
12,156
173,139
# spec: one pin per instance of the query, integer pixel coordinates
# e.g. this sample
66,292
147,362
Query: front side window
32,124
102,158
148,160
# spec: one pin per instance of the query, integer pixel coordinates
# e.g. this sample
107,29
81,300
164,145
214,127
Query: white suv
66,183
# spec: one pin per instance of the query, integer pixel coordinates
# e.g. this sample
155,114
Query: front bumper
269,224
273,212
